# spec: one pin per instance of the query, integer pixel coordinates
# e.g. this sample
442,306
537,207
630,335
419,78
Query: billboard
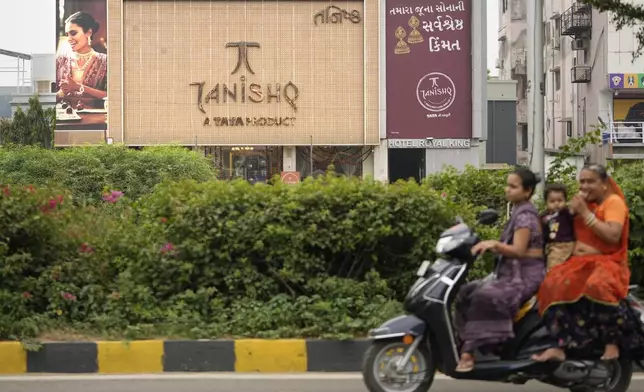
81,66
429,69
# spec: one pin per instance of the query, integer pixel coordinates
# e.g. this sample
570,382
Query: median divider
159,356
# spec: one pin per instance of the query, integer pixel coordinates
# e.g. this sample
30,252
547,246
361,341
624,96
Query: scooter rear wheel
619,382
379,368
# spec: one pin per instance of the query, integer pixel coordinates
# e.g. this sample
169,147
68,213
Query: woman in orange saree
581,300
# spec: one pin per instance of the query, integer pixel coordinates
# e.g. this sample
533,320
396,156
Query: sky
37,36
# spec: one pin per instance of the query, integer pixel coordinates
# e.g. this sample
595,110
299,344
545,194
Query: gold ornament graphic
401,46
414,34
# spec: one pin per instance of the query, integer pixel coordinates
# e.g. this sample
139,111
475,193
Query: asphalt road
242,383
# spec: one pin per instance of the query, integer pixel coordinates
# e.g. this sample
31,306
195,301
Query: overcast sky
28,26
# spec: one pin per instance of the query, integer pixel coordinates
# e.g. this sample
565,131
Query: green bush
331,257
88,171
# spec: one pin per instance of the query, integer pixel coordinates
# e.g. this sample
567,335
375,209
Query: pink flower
443,195
27,294
53,203
85,248
68,296
164,220
167,248
112,196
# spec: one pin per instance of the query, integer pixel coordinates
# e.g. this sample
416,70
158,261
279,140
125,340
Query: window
568,128
557,75
524,137
505,6
43,86
556,36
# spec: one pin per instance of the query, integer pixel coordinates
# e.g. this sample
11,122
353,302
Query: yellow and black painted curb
158,356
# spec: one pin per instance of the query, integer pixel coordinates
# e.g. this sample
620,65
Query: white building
34,75
512,64
590,77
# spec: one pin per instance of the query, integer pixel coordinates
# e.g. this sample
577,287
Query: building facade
279,87
590,77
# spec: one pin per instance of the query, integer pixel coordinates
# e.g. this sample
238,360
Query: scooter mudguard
398,327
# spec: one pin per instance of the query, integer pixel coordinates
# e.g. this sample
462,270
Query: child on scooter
557,226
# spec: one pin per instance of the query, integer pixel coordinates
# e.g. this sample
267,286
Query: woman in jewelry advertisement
81,69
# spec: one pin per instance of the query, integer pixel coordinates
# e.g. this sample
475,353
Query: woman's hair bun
537,177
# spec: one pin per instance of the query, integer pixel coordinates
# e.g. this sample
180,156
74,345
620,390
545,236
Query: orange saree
600,278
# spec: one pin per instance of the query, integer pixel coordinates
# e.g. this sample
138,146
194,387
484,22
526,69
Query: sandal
466,364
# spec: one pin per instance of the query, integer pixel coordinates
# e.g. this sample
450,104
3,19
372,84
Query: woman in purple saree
485,309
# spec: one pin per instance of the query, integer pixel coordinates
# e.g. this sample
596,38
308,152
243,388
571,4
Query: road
243,383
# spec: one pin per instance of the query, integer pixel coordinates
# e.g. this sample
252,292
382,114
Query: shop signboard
430,143
290,177
626,80
429,69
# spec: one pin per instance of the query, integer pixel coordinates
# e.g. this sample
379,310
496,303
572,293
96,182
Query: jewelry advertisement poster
81,65
429,69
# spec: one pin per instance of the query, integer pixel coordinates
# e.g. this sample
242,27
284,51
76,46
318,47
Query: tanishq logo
242,54
436,92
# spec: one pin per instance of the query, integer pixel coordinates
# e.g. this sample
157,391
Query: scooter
406,351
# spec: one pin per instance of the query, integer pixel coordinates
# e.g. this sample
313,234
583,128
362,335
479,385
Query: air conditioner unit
499,63
579,44
556,42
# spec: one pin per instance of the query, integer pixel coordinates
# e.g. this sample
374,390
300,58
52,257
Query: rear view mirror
488,217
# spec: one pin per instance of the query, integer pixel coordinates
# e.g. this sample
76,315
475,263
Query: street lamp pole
536,85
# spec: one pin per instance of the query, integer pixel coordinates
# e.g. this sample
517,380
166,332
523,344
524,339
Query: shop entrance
253,164
406,163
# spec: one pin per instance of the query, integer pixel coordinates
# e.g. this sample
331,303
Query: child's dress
559,236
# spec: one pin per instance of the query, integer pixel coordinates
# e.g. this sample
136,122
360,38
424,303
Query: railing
622,132
581,73
577,20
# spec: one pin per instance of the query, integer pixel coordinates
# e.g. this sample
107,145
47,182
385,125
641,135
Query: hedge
330,257
200,258
87,171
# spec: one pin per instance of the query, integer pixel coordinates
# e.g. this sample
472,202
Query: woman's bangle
590,220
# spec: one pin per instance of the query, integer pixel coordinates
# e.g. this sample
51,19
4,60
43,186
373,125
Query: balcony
623,132
577,21
627,140
581,73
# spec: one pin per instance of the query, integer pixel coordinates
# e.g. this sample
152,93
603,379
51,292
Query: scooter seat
525,309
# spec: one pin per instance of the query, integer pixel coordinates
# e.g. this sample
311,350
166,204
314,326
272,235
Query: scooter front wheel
380,363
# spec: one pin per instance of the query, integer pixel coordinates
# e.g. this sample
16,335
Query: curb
158,356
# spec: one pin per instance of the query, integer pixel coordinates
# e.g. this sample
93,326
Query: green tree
623,14
33,127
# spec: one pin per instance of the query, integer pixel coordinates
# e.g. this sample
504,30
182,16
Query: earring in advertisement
414,34
401,46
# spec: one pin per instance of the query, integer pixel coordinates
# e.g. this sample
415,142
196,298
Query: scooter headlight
447,244
442,244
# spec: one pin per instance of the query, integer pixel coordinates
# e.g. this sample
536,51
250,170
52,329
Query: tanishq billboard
429,69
